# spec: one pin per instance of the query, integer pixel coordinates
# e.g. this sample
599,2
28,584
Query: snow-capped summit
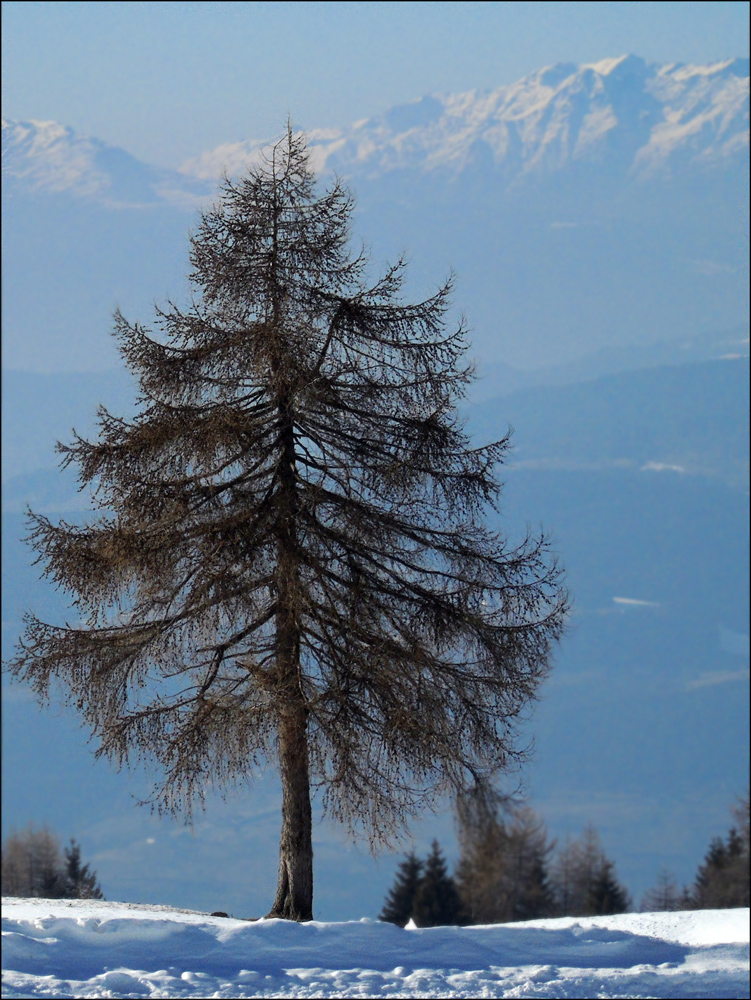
49,156
46,157
634,117
35,147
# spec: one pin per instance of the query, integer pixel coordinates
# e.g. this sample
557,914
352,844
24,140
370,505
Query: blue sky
169,80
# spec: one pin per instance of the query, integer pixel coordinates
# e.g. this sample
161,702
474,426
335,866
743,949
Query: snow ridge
85,948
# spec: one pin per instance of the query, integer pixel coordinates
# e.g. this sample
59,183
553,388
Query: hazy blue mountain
40,409
688,418
497,379
685,419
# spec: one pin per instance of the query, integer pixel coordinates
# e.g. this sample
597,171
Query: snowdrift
84,948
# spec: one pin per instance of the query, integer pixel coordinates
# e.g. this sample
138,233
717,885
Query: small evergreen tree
32,864
400,901
502,874
52,883
482,847
563,876
531,893
583,879
606,895
536,898
81,883
437,902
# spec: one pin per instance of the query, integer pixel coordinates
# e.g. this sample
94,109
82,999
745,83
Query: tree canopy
292,560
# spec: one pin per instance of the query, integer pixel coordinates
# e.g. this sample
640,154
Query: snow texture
83,948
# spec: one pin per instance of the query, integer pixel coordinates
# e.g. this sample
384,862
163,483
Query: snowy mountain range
636,119
582,208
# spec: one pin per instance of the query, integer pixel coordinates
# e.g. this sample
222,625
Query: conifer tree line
722,880
35,865
507,871
510,870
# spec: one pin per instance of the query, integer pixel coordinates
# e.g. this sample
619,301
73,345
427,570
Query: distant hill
689,419
498,379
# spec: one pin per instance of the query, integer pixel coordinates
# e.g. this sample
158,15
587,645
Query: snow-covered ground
83,948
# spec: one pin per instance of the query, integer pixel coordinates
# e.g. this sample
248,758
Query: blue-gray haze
609,322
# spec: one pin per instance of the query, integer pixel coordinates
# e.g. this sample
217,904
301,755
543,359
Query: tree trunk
294,892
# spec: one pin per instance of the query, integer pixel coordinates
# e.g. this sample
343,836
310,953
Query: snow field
84,948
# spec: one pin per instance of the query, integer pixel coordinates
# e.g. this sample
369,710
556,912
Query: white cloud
661,467
634,602
718,677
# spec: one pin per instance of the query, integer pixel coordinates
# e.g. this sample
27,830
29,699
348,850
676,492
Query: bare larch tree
291,560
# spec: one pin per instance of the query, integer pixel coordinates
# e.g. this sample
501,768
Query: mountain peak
620,65
49,158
